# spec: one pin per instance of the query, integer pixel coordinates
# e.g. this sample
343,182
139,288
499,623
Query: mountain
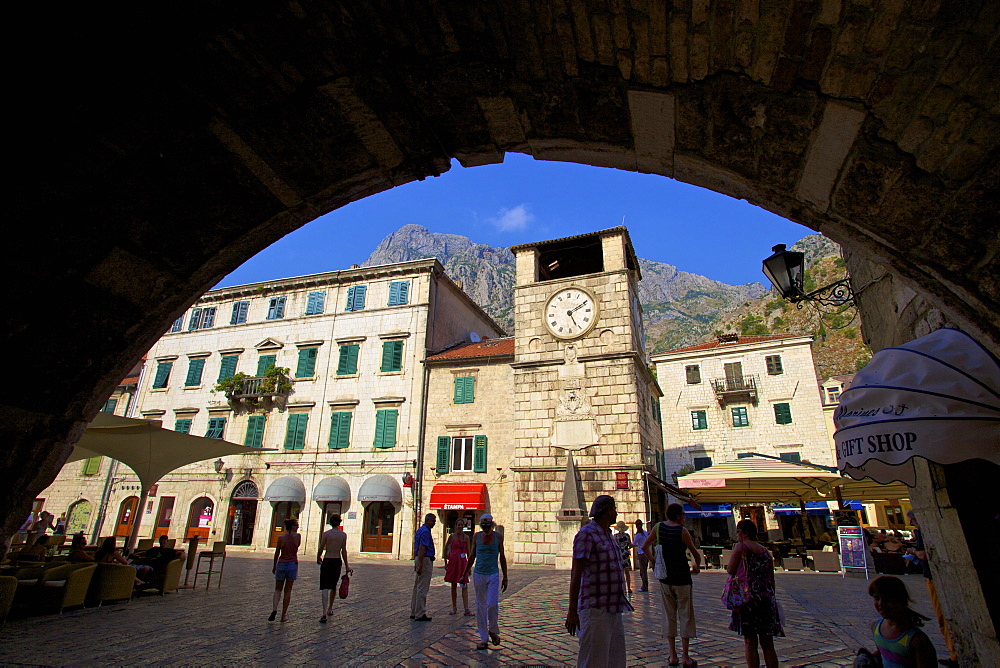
679,308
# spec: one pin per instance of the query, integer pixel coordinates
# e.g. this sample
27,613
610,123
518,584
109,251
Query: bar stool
218,551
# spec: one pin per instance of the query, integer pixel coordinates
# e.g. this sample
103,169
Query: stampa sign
936,397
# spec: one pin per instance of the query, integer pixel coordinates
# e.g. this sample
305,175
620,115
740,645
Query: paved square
827,619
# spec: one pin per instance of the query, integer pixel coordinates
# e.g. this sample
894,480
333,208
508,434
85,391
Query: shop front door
285,510
380,517
126,516
242,517
163,517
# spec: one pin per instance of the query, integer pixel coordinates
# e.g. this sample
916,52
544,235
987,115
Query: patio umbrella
762,479
936,397
149,450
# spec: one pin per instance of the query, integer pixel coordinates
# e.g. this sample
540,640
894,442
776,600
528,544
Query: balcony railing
736,389
252,389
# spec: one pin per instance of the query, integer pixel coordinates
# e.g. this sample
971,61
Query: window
385,428
465,389
347,365
216,426
255,431
276,308
201,318
655,407
265,362
92,466
315,302
782,414
240,310
195,321
773,365
832,395
306,367
162,375
744,455
392,356
693,374
109,406
740,418
356,297
461,453
228,366
295,432
790,457
734,373
340,430
182,425
399,293
195,368
702,463
699,420
178,324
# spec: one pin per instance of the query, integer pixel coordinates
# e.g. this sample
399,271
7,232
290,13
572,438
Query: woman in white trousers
486,562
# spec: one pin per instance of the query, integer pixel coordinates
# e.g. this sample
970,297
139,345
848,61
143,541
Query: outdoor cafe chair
218,551
111,582
170,578
144,544
824,562
68,593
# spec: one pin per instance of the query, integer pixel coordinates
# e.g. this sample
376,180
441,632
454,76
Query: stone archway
175,146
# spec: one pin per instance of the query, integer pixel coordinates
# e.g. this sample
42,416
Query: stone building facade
346,438
469,434
582,391
741,394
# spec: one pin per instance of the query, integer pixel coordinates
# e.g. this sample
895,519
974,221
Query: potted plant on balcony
275,386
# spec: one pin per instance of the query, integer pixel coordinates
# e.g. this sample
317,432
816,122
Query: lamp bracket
836,294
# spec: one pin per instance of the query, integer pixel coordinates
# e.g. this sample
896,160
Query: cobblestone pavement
827,616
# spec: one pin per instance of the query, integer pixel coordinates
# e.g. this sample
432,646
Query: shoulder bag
659,566
736,592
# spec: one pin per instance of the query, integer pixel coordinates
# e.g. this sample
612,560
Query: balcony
253,388
736,390
249,393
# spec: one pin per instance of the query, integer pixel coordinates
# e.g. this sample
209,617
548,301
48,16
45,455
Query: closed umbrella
936,397
148,449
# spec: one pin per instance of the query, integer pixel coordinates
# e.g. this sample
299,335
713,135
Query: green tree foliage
753,325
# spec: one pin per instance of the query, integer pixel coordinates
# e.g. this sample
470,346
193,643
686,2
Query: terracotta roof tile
740,341
131,380
486,348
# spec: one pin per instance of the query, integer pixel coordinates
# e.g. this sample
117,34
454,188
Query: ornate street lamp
786,269
218,465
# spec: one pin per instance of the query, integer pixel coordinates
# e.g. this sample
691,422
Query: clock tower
585,400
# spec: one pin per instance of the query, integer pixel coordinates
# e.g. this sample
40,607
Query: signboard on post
853,550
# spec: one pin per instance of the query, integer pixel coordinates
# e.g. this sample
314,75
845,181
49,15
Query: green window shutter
228,366
699,420
195,369
443,453
740,418
182,425
264,362
793,457
465,390
479,455
385,428
399,293
340,430
216,426
782,414
255,431
307,363
162,374
347,365
92,466
109,406
295,433
392,356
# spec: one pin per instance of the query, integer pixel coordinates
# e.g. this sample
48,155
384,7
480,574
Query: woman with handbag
669,542
755,608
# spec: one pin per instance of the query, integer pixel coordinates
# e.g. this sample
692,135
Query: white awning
380,488
332,489
286,489
936,397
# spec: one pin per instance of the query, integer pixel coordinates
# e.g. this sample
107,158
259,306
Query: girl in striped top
897,635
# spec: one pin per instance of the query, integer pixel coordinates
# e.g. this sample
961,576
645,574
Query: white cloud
513,220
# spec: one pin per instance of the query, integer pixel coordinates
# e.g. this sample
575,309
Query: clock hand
576,308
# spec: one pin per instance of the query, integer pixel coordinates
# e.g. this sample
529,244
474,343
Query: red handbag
345,585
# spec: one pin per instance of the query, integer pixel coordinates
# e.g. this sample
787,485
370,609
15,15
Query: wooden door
164,514
380,517
126,516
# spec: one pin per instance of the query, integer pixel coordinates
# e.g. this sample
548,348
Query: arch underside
169,151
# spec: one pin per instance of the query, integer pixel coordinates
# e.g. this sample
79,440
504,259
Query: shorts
329,573
286,570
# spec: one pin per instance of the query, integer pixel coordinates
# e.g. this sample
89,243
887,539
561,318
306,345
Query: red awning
459,496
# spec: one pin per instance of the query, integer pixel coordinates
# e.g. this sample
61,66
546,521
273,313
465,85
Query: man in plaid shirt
597,589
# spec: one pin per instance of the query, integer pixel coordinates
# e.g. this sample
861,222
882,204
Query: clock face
570,313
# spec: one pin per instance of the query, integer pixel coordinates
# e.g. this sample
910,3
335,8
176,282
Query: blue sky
526,200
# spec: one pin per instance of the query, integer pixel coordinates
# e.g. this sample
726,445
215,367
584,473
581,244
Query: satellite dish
475,338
